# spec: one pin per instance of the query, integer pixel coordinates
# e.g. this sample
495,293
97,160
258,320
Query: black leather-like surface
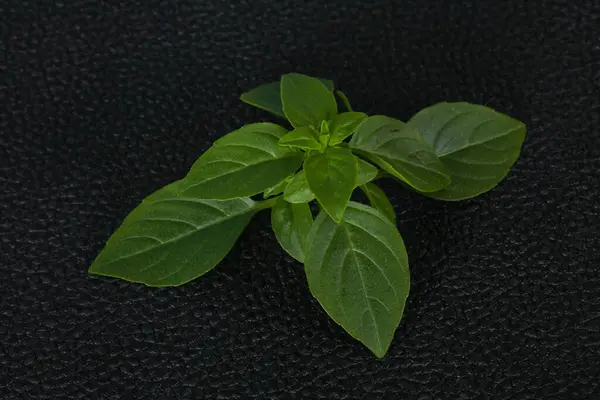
105,101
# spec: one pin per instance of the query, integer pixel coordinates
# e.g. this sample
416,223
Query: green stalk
269,203
345,100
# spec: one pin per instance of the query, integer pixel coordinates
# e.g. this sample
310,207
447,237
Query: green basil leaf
331,176
242,164
344,125
297,190
477,145
358,271
291,224
268,97
324,131
402,152
306,101
328,83
379,200
324,139
277,189
170,238
366,173
304,138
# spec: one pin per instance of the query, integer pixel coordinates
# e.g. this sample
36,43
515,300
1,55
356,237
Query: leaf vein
482,142
140,237
236,162
364,289
190,200
161,259
380,270
445,125
174,220
246,145
376,238
176,238
380,302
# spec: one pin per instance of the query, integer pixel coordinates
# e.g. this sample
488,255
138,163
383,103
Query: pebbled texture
105,101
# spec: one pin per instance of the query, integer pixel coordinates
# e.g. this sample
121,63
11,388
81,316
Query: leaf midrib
329,182
403,174
479,143
234,171
364,289
186,234
404,161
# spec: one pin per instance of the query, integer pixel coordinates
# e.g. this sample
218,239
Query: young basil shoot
353,254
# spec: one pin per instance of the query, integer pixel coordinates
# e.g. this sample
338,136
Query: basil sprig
354,256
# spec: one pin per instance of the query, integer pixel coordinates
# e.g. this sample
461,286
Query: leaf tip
336,219
96,271
93,269
379,353
337,215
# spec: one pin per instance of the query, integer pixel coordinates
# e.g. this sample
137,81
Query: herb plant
353,254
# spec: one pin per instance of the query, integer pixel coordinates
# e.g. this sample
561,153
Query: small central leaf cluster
354,257
330,169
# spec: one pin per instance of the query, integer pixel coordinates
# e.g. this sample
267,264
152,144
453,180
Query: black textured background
102,102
